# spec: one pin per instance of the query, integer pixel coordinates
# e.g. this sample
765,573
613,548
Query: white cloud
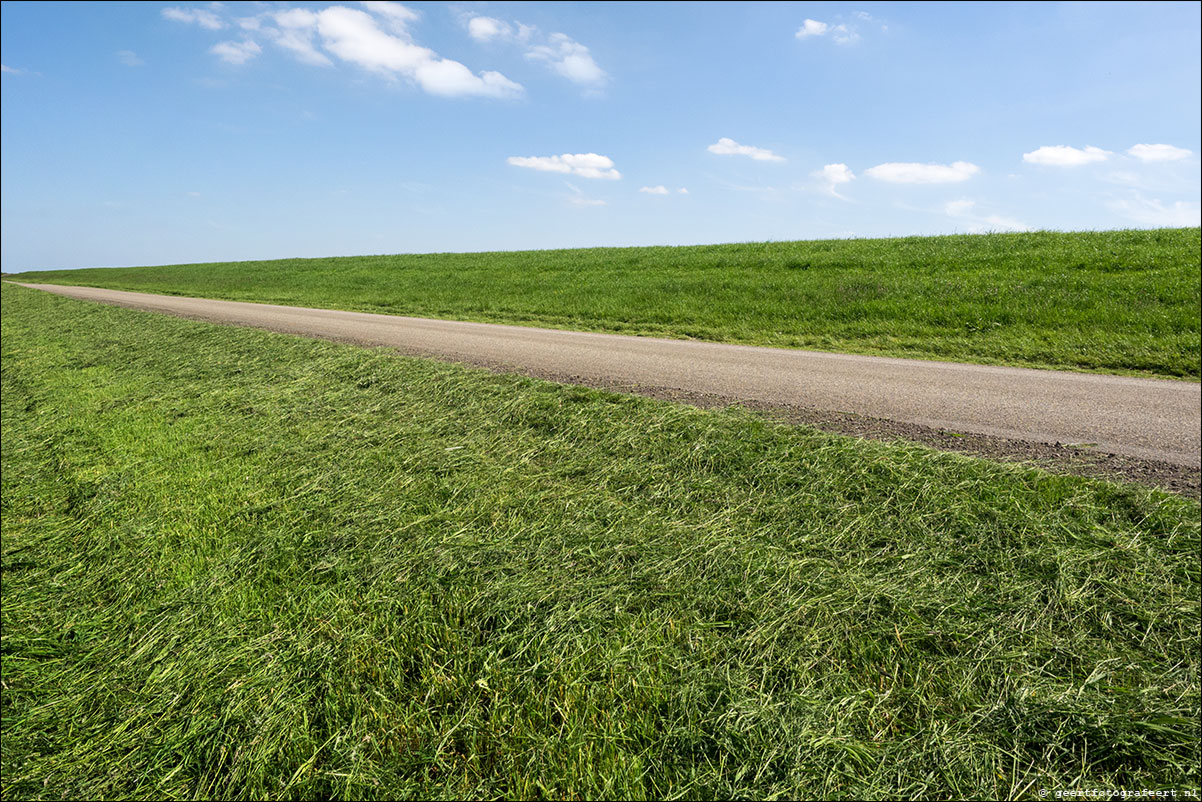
354,36
378,42
728,147
129,58
962,210
1159,153
866,17
659,190
451,79
484,29
198,16
914,173
570,59
236,52
396,11
295,33
832,175
7,70
586,165
683,191
560,52
1152,212
394,15
812,27
842,34
1065,156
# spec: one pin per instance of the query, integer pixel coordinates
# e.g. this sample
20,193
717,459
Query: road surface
1150,419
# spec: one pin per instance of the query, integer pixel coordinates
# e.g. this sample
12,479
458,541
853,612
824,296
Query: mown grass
243,565
1113,301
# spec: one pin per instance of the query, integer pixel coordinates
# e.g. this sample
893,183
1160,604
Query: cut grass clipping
1112,301
243,565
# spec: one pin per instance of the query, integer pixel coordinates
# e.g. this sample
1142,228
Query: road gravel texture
1152,420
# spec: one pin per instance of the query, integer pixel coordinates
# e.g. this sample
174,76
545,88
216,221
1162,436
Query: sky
165,133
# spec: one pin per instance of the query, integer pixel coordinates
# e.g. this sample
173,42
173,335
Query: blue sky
147,133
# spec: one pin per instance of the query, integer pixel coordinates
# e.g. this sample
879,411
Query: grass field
244,565
1116,301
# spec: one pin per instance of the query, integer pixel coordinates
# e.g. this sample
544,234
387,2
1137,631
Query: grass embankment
241,564
1116,301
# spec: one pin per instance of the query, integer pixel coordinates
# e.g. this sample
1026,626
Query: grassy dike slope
1113,301
238,564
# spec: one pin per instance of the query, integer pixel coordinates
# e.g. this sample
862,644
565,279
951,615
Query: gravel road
1149,419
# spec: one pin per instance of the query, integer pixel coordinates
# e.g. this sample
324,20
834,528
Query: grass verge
244,565
1112,301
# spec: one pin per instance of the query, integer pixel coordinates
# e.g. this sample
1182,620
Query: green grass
1114,301
243,565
